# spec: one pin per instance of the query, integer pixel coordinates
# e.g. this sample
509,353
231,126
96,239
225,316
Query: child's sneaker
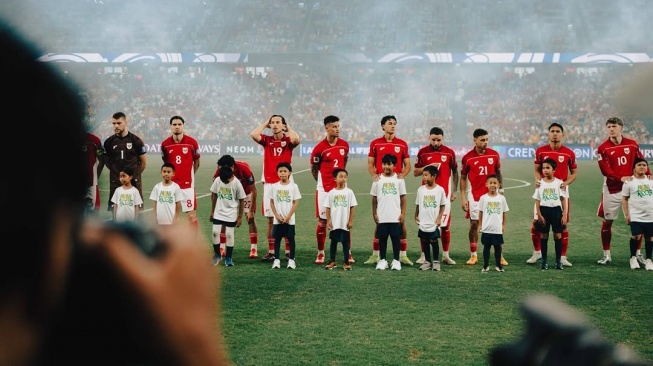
396,265
291,264
346,266
216,259
499,269
276,264
648,264
228,262
382,265
436,266
485,269
544,266
268,257
330,265
425,267
319,259
559,265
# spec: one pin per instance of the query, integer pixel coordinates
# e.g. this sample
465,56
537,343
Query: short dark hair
551,162
556,124
338,170
179,118
436,131
639,160
330,119
119,115
284,164
168,165
480,132
227,160
386,118
614,120
127,170
432,169
389,159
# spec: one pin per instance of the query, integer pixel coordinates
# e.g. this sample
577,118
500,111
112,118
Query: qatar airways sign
206,147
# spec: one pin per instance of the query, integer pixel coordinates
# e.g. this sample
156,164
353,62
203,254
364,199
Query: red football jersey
444,159
329,158
477,167
275,152
182,155
397,147
93,150
616,161
564,157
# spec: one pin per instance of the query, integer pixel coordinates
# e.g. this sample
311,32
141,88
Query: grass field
311,316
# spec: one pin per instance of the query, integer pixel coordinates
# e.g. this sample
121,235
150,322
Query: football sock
320,234
535,238
565,242
606,235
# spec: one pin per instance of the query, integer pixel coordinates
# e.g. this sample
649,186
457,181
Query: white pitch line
524,183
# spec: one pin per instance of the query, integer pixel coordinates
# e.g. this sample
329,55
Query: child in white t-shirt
340,203
492,222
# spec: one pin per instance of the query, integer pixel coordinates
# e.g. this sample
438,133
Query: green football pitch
312,316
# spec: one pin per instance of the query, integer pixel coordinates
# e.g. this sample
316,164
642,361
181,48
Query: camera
97,298
146,239
558,334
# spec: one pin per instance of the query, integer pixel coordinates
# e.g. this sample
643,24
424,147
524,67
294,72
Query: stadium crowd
225,103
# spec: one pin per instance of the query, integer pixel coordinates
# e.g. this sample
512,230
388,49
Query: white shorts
320,209
610,205
188,201
267,195
474,207
247,202
265,205
446,215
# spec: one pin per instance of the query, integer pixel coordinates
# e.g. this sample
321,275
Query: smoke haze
514,102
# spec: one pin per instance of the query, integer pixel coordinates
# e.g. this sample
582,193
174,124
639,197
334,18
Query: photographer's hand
176,291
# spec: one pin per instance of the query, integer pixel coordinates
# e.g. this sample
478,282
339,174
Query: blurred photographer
560,335
80,292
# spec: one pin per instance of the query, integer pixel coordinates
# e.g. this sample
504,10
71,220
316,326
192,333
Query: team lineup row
617,158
